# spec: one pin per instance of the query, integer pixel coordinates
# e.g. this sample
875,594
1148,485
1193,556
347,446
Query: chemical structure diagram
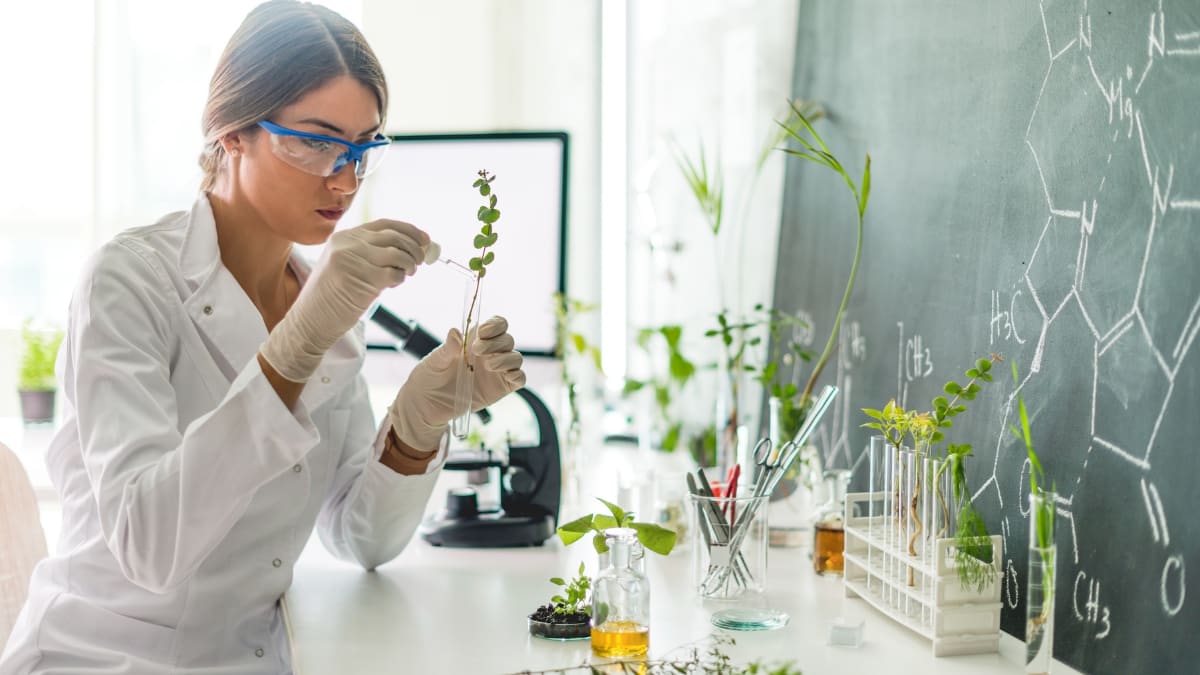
1091,244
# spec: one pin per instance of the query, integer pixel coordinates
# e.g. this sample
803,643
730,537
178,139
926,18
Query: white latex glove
425,404
357,266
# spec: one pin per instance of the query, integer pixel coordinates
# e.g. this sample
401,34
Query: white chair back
22,541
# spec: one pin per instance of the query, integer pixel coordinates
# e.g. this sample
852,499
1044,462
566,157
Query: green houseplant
35,378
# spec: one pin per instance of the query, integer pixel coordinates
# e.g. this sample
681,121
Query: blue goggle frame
354,151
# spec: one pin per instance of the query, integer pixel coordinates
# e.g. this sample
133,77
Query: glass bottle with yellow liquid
829,525
621,599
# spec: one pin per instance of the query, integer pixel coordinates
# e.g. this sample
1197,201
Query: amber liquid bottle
621,599
829,534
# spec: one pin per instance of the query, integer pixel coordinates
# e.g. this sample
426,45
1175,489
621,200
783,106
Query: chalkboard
1036,193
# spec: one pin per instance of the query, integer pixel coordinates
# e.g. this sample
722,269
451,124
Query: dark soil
547,614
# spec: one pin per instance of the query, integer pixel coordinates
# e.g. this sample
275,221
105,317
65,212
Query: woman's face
295,205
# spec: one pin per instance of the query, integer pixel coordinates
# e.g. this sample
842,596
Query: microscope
529,477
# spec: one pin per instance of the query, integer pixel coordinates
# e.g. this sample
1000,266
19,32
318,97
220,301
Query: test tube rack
921,592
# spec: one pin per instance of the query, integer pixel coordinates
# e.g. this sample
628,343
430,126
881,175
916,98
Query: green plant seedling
653,537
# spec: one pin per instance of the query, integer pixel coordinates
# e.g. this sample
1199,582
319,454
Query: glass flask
621,599
829,524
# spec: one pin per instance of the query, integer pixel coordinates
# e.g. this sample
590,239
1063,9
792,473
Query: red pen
731,481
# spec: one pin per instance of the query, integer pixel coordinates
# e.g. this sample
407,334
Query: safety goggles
324,155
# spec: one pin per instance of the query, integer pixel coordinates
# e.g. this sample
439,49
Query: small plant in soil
572,605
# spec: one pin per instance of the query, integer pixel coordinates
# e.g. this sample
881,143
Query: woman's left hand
426,403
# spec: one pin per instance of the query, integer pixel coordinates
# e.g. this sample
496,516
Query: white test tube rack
921,592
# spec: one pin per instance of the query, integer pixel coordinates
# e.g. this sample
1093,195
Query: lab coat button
208,310
297,468
259,652
325,379
277,562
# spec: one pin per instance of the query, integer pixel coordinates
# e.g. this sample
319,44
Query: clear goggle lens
325,157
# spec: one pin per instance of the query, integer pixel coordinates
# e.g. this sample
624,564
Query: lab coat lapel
218,306
231,324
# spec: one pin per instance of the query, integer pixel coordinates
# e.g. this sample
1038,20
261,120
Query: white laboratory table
463,611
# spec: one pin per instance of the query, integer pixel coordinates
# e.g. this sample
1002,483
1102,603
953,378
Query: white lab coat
188,488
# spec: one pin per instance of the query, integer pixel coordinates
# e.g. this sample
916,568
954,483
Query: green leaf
952,388
873,425
657,539
599,543
866,186
486,229
477,183
480,241
485,189
985,377
490,240
557,581
581,568
492,201
617,512
681,369
871,412
490,216
482,272
489,257
632,386
671,438
479,214
940,403
476,264
937,437
572,531
983,365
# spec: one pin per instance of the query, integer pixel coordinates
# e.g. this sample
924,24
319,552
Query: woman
215,406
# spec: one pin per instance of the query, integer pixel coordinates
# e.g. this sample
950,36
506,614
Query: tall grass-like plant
1043,513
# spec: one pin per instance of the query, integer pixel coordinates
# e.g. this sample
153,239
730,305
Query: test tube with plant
485,239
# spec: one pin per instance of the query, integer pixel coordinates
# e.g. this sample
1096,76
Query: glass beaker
729,545
829,525
621,598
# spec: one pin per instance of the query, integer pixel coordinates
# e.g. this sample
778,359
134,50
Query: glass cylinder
829,525
876,504
621,598
1039,598
464,383
729,544
792,504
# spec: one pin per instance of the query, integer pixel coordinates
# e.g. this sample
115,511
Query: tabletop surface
436,610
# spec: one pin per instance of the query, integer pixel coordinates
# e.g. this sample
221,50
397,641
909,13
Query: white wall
479,65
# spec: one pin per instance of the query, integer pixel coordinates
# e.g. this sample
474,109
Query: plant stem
837,323
471,311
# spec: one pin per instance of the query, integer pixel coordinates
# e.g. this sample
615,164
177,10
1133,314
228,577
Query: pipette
433,253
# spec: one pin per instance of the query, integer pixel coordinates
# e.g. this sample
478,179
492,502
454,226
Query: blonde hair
283,50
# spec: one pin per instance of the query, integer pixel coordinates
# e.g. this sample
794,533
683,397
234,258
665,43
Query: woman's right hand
358,264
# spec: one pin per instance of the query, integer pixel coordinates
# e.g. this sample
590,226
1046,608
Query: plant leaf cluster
573,343
487,214
653,537
695,660
665,385
575,594
39,350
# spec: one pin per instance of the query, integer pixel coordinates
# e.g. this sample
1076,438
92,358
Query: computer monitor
425,179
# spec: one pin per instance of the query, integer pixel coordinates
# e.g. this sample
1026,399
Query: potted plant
568,614
35,381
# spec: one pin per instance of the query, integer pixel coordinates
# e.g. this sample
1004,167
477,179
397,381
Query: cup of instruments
729,544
